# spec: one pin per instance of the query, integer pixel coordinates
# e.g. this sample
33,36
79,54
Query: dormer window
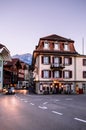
56,46
46,45
66,47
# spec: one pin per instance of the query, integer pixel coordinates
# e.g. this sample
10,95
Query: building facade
4,56
58,67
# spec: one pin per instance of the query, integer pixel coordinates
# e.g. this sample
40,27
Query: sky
24,22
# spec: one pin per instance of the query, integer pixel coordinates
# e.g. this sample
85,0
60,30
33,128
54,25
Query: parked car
9,90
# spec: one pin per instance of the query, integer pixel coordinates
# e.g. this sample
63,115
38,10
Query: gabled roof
4,52
55,37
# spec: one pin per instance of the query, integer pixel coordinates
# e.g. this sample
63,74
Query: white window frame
66,74
46,60
66,47
46,45
46,74
56,46
56,74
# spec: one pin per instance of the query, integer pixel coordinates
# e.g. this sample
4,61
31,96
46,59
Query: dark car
9,90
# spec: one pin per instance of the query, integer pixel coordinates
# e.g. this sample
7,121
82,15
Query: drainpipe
75,73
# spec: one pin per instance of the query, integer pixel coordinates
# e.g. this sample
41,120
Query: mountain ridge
27,57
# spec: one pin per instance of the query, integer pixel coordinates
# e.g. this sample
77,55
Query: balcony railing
57,66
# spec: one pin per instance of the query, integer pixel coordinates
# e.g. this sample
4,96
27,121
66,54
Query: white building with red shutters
58,67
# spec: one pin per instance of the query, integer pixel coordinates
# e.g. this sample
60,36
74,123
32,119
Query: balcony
56,66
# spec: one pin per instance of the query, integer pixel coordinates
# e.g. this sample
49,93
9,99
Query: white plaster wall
80,68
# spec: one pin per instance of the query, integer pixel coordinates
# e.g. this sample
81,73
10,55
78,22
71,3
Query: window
0,63
57,60
67,61
57,74
46,73
66,47
45,60
67,74
46,45
56,46
84,74
84,62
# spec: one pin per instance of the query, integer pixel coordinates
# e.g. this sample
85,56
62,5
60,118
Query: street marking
42,107
26,101
55,112
68,99
23,99
45,103
57,100
32,104
80,120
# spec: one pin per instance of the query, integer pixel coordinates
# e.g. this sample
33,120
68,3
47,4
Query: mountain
27,58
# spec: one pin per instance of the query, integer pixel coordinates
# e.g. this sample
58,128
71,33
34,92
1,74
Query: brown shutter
49,59
70,61
49,74
70,74
52,59
60,74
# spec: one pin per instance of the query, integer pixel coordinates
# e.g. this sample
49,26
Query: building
58,67
4,56
15,73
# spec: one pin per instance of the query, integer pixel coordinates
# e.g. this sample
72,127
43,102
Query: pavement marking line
42,107
45,103
32,104
55,112
68,99
26,101
57,100
80,120
23,99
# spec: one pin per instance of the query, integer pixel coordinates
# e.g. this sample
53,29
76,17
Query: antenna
83,46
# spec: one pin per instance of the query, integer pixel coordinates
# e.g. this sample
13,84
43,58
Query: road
42,112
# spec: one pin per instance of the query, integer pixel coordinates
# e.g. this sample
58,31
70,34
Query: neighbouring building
16,73
58,67
4,56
